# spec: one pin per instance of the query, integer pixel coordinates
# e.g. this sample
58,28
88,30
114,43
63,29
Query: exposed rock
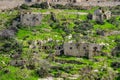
115,65
6,71
100,15
116,51
100,32
15,56
18,63
42,72
7,33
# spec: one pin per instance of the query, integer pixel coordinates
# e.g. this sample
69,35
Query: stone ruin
100,15
79,49
31,19
87,50
28,19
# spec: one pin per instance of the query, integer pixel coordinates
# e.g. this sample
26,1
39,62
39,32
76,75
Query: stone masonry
80,49
31,18
100,14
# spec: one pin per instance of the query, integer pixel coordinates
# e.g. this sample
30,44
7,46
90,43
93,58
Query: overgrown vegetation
21,45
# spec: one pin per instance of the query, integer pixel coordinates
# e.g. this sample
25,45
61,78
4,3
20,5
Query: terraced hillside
30,52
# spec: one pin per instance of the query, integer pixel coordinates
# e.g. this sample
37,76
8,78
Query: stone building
30,18
100,14
80,49
27,19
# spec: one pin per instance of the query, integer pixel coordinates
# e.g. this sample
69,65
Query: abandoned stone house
28,19
79,49
100,14
31,19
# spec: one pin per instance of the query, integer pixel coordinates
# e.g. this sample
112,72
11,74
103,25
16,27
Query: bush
43,5
83,27
36,5
113,21
24,6
42,72
89,16
116,51
101,22
116,10
67,6
11,45
53,17
7,34
115,65
58,6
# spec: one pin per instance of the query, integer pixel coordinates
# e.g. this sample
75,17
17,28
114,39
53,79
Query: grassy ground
43,32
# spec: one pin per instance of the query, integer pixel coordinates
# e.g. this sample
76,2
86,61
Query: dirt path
76,13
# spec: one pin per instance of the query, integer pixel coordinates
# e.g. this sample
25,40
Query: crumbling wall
70,49
81,49
30,19
100,15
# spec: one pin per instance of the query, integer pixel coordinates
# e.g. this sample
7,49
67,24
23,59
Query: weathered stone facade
30,19
100,14
80,49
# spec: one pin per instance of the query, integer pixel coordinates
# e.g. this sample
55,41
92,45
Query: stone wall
100,15
80,49
27,18
31,19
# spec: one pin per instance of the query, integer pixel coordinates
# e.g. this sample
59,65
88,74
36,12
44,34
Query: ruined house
100,14
80,49
28,19
31,19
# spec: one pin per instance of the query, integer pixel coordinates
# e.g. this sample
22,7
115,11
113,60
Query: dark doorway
28,0
61,52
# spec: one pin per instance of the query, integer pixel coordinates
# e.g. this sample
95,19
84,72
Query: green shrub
24,6
42,72
83,27
43,5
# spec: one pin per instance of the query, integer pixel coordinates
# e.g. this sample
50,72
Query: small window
37,19
95,49
84,47
27,19
59,47
34,18
70,47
